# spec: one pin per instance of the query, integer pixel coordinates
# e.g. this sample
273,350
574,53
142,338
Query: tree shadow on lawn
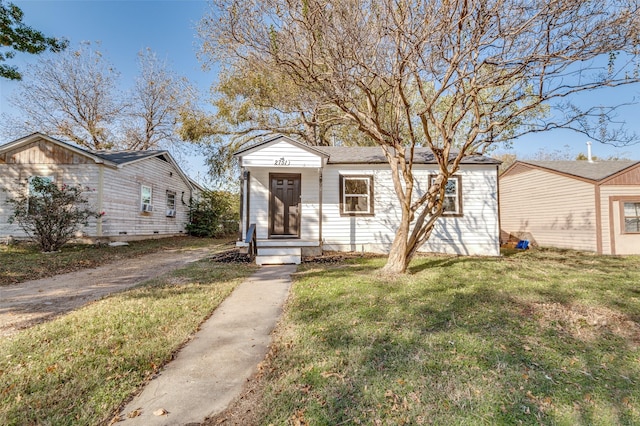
467,351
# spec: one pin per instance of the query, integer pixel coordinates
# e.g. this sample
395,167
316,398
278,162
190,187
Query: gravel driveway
31,302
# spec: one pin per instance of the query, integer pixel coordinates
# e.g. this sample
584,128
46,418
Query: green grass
79,368
539,337
22,262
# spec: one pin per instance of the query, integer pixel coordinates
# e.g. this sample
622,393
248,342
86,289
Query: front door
284,205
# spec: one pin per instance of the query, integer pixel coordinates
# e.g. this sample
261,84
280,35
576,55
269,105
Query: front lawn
79,368
539,337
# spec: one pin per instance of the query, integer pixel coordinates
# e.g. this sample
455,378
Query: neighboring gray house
144,194
304,199
582,205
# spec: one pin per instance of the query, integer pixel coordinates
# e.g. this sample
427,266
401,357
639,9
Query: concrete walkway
211,370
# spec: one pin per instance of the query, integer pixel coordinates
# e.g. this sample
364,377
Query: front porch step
278,256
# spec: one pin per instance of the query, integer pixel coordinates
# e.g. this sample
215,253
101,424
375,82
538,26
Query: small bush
215,215
49,214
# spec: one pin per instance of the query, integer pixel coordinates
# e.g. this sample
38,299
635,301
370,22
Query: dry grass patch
537,337
23,261
81,367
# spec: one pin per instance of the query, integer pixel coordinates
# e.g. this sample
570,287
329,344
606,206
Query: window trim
342,180
142,203
171,208
458,180
623,216
30,192
30,178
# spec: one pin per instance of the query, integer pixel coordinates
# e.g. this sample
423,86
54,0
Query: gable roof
361,154
126,157
596,171
110,158
36,136
374,155
278,138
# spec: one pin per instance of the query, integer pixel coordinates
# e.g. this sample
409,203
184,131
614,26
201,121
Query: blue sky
125,27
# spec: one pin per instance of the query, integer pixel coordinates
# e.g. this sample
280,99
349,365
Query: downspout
248,202
242,216
498,206
100,199
320,209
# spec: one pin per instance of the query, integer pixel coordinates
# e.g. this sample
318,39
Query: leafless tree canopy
455,75
71,95
77,95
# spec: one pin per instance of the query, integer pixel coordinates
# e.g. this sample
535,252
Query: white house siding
281,155
309,193
611,197
475,233
13,178
122,204
557,210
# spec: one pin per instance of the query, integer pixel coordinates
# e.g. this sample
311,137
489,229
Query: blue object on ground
523,244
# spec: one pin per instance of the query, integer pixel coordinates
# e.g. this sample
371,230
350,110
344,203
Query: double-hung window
146,194
452,202
356,195
631,217
171,204
34,192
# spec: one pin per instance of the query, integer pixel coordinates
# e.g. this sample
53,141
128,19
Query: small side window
171,204
34,182
631,217
146,198
452,203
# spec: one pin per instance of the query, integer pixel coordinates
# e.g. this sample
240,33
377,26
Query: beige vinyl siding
557,210
122,203
13,178
610,196
309,203
281,156
476,232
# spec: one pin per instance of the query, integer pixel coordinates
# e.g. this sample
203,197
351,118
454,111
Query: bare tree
71,95
455,75
77,96
156,102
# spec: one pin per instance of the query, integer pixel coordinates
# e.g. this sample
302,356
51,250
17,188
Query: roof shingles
596,171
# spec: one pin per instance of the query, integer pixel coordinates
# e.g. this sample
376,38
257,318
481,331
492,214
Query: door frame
295,176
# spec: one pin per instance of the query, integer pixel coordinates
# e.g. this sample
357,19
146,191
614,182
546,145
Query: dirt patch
339,257
32,302
231,256
586,323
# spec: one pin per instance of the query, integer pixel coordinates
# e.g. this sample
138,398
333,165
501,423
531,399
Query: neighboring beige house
303,200
144,194
582,205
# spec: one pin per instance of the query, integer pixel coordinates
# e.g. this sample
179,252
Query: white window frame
636,217
368,195
30,179
31,192
456,196
171,204
144,200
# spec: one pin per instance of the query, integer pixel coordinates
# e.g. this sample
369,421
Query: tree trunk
398,259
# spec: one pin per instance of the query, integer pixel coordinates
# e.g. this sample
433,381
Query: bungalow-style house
581,205
143,194
300,200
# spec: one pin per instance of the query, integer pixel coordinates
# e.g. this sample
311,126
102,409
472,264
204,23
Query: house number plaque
281,162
